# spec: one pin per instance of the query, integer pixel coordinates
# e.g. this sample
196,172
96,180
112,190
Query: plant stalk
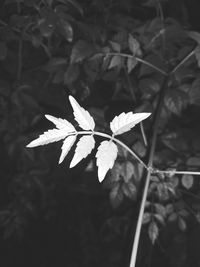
148,176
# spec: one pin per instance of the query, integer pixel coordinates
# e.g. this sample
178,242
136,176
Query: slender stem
143,134
148,177
176,172
116,141
19,68
138,59
183,61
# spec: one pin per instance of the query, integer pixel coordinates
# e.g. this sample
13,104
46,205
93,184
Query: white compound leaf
126,121
61,123
50,136
83,149
67,145
106,156
82,116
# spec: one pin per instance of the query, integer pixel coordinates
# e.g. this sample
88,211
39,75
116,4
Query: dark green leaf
80,51
182,224
131,63
134,46
176,100
153,231
146,218
116,61
116,196
187,181
71,74
66,30
129,190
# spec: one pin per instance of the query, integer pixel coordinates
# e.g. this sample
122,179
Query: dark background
51,215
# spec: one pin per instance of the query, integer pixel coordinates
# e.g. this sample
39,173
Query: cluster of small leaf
107,151
165,203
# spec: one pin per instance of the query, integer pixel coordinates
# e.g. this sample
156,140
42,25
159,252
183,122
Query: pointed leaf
126,121
106,156
134,45
115,62
61,123
67,144
50,136
131,63
83,149
187,181
153,231
82,116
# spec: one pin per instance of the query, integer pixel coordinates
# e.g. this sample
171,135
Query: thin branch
143,134
116,141
19,67
172,172
183,61
148,177
138,59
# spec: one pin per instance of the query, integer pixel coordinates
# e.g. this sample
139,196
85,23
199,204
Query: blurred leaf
153,231
194,35
131,63
116,61
128,170
176,100
54,64
71,74
160,209
116,195
139,148
172,217
146,218
159,218
193,162
115,46
187,181
80,51
134,46
66,30
182,224
129,190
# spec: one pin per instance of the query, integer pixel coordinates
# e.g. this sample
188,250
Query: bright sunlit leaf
67,144
126,121
83,149
82,116
106,156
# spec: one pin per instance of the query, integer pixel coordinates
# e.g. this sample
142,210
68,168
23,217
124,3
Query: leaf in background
116,195
67,144
71,74
129,190
176,100
182,224
50,136
126,121
146,217
61,123
54,64
83,149
159,218
106,156
131,63
73,3
116,61
128,170
66,30
153,231
82,116
80,51
187,181
115,46
134,45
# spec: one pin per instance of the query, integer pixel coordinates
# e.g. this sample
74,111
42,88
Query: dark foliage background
51,215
